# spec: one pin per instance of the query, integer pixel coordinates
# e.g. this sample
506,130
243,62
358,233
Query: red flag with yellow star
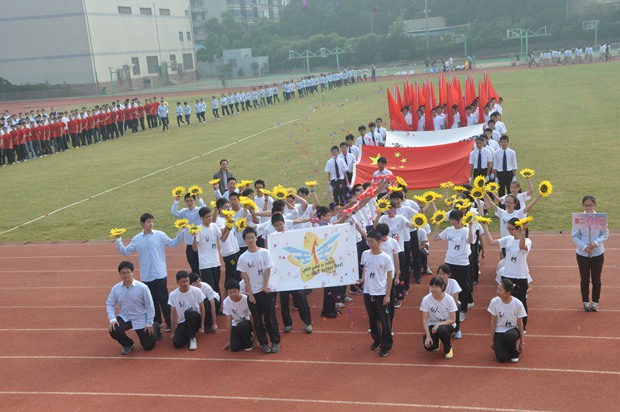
421,167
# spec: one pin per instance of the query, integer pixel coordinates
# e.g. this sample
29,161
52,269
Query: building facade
251,11
203,10
114,44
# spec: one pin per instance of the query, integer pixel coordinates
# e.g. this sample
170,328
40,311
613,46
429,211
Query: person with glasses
517,247
590,258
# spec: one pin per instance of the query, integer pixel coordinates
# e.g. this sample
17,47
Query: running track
56,354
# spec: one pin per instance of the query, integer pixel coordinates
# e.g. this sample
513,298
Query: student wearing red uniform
141,110
73,129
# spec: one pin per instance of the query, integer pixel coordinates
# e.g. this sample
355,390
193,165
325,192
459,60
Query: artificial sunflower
265,191
524,221
178,191
438,217
181,223
431,196
213,204
545,188
491,187
419,220
246,201
460,188
482,219
246,182
462,204
194,190
450,201
479,181
383,205
446,185
193,229
419,198
401,181
291,191
468,218
117,231
311,183
279,192
228,213
230,223
477,192
214,181
241,224
395,188
527,173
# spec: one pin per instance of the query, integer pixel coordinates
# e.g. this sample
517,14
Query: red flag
490,90
421,167
449,116
421,97
463,113
481,102
428,116
443,90
397,120
399,99
432,92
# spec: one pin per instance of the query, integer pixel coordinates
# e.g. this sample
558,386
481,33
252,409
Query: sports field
558,119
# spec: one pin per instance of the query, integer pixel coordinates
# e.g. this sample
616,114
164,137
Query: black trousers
379,320
211,276
264,314
443,335
340,191
300,302
186,330
590,269
415,261
192,259
147,341
159,292
461,275
505,344
504,179
241,336
329,300
230,262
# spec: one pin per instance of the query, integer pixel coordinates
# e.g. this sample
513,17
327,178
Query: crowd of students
570,55
28,136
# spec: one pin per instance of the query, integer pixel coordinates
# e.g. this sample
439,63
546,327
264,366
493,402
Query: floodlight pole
585,25
111,80
460,38
522,34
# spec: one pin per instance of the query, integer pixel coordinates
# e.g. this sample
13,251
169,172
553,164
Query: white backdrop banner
433,137
313,258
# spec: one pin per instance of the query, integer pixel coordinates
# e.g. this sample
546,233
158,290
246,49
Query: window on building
152,64
164,12
135,65
146,11
173,62
189,36
180,36
232,62
124,10
188,61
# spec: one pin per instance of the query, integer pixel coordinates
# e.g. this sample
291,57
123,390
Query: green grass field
557,119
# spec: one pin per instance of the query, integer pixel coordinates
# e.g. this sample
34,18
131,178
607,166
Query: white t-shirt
515,263
458,249
239,311
504,216
208,256
398,228
231,245
208,291
391,247
375,273
438,311
254,264
183,301
507,314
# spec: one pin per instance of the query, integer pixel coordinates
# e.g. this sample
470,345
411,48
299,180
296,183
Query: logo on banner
315,257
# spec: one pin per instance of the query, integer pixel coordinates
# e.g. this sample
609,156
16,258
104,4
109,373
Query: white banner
313,258
433,137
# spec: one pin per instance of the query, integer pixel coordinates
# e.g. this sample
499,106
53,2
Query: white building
122,44
203,10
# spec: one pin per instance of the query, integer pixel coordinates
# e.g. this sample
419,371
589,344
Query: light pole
111,80
426,14
460,38
525,34
591,25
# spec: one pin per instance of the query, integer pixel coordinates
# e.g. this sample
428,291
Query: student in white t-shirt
187,310
507,314
237,312
510,201
378,270
210,325
517,247
452,289
392,248
438,318
255,266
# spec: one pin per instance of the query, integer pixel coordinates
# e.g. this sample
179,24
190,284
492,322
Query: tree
254,67
240,72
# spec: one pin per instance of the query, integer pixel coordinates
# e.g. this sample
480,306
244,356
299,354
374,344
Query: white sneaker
514,360
462,316
193,345
594,307
470,305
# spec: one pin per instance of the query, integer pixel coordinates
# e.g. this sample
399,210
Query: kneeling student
188,312
238,323
211,296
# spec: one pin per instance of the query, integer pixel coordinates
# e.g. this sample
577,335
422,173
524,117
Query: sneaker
347,300
193,345
249,348
392,333
586,306
275,348
369,330
340,305
594,307
168,329
288,329
127,349
265,348
375,346
514,360
398,304
470,305
383,353
360,291
450,354
308,328
330,315
462,316
418,281
458,334
428,271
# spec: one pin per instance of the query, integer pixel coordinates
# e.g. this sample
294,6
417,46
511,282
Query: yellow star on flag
403,160
375,159
397,154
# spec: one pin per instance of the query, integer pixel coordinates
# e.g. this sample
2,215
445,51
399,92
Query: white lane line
503,368
144,177
264,399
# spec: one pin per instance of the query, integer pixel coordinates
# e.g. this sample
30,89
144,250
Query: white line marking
263,399
316,362
143,177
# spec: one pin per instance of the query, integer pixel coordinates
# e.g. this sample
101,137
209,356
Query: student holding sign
590,255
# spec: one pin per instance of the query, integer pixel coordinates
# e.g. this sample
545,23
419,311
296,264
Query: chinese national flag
421,167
